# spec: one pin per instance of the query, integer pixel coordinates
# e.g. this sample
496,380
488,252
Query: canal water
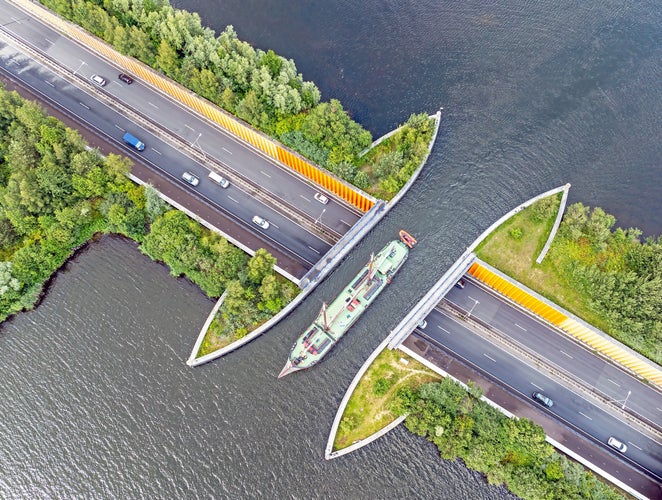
97,399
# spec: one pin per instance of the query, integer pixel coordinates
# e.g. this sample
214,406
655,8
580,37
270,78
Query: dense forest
618,276
56,194
259,87
507,450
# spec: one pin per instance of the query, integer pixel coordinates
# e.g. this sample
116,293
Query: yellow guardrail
566,323
265,144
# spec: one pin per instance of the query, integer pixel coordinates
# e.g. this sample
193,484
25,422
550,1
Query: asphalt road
603,376
571,406
242,161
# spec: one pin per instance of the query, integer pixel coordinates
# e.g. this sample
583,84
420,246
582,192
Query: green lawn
368,409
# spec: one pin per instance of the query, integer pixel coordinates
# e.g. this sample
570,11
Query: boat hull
335,320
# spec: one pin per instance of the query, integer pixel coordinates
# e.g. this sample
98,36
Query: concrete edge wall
328,262
557,223
594,468
328,452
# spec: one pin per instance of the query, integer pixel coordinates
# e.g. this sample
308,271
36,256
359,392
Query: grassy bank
609,278
369,408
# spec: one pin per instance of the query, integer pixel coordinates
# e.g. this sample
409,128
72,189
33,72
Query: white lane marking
313,249
518,326
443,329
470,297
153,105
630,442
583,415
231,198
616,384
190,128
49,41
49,83
658,409
346,223
84,105
156,151
536,386
566,354
117,126
307,199
227,151
265,174
489,357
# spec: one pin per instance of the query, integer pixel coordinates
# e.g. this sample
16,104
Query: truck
133,141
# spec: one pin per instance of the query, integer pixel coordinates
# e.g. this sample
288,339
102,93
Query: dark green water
97,399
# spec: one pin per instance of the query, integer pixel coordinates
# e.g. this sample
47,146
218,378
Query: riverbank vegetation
261,88
608,277
56,194
507,450
369,407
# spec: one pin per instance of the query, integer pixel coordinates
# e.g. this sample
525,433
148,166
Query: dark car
125,78
542,399
460,284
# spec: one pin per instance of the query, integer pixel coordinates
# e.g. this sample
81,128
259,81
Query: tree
260,265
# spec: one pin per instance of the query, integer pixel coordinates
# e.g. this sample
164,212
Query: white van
221,181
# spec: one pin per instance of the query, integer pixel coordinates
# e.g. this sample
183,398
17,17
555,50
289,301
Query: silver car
264,224
98,80
190,178
617,444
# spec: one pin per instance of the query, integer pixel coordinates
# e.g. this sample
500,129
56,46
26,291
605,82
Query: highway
248,170
571,405
603,376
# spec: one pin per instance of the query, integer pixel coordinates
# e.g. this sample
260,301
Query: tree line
618,275
262,88
507,450
56,193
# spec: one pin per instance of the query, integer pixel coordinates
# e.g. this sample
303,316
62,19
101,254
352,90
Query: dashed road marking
117,126
156,151
189,127
346,223
153,105
232,199
307,199
49,41
313,249
49,83
566,354
536,386
443,329
584,415
84,105
489,357
630,442
265,174
227,150
615,383
518,326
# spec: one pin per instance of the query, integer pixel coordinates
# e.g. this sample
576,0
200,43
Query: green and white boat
335,319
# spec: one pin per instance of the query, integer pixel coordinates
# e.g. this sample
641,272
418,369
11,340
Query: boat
407,238
336,319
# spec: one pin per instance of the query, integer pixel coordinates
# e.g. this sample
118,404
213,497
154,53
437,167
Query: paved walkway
554,429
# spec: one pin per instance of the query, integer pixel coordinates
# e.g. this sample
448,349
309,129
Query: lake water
98,401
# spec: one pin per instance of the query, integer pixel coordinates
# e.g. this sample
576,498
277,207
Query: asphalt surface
524,407
255,179
592,396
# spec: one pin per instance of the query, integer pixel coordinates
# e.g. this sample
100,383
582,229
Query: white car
618,445
98,80
321,198
190,178
260,222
